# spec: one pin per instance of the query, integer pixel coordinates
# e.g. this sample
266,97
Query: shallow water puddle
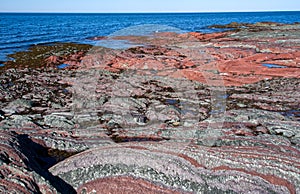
116,44
172,101
273,65
62,66
292,113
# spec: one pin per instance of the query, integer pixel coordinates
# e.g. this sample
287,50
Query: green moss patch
35,57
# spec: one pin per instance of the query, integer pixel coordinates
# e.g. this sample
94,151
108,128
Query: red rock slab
190,74
208,37
262,57
240,72
287,63
280,72
230,53
52,59
234,72
236,60
125,185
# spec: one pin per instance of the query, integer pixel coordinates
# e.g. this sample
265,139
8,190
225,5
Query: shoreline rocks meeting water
171,113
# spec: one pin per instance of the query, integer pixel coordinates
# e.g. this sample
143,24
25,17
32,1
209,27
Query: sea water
19,31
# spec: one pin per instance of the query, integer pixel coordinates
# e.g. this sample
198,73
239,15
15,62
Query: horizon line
150,12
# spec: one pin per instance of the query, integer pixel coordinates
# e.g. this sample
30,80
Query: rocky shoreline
180,113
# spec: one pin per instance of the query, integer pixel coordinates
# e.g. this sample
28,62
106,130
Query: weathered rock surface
184,113
19,169
192,169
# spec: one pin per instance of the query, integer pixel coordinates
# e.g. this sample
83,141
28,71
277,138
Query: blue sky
99,6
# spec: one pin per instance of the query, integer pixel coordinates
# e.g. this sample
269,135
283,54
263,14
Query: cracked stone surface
181,113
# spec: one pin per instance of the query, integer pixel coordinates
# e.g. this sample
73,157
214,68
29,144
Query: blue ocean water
18,31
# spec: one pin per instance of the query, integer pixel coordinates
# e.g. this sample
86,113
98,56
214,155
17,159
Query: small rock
241,105
283,132
209,137
296,140
58,121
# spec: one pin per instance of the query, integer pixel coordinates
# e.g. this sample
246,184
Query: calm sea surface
20,31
